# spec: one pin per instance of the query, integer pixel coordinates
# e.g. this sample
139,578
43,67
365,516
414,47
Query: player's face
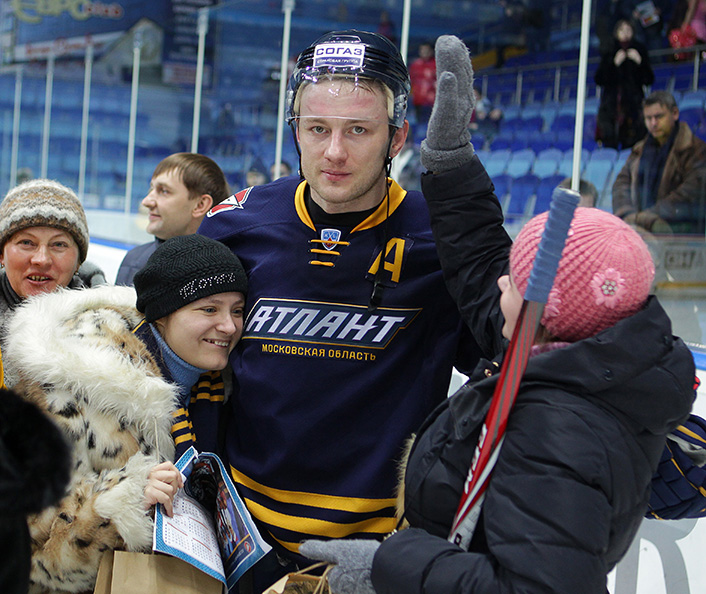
204,332
510,304
170,210
343,133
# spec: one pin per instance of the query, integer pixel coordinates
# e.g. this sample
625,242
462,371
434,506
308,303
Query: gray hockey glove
353,559
448,142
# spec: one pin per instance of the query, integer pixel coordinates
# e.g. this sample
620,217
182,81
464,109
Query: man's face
660,121
343,134
170,208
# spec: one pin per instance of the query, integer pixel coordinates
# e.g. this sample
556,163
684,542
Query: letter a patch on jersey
235,201
330,237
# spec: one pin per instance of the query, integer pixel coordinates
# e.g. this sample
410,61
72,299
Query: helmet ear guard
353,54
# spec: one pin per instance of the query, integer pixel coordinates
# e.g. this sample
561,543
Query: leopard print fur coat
73,353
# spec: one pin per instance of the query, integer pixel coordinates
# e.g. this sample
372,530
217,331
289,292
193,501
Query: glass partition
101,119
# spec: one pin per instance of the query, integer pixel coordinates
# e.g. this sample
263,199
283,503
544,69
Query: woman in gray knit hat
43,242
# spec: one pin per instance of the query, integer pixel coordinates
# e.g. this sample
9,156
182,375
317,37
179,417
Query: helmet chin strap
293,127
378,287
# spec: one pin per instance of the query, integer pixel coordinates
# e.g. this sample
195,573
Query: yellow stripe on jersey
335,502
316,527
397,194
696,436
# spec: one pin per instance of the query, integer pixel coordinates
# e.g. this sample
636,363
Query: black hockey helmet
354,53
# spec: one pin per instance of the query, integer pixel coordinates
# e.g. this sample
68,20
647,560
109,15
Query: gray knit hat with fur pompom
44,203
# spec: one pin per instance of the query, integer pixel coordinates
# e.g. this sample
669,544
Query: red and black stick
539,285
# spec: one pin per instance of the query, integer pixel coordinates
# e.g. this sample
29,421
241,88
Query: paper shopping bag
121,572
302,582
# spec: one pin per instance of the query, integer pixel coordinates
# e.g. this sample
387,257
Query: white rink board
667,557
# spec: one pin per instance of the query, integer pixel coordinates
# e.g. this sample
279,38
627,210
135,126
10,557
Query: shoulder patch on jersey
231,203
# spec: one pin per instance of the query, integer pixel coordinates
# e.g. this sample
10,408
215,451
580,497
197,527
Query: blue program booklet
211,528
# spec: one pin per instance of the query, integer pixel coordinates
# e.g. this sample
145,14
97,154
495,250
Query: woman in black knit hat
133,377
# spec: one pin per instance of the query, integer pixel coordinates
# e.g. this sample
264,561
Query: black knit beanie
184,269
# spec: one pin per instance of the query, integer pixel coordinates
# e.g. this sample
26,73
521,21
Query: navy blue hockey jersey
326,391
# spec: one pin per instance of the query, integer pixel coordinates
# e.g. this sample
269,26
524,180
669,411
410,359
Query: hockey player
350,335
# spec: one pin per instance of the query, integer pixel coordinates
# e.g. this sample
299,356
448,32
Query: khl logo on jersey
330,237
235,201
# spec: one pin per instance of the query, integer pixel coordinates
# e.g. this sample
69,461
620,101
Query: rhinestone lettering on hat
202,283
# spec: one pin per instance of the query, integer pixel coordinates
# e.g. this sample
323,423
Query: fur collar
80,342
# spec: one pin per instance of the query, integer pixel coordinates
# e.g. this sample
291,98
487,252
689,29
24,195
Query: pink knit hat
605,273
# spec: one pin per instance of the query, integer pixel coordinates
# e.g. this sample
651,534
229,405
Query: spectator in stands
345,288
43,243
285,169
588,192
133,379
512,29
386,27
690,13
622,74
422,73
256,175
24,174
648,19
486,118
662,186
225,130
184,187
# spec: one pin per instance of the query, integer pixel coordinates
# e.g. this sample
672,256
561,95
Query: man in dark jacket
661,186
184,187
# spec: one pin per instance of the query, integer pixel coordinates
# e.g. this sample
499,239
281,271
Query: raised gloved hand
448,142
353,559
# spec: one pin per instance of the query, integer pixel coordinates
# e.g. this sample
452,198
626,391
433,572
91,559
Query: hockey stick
539,285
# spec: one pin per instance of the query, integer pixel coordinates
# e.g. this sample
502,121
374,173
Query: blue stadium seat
604,154
547,162
523,188
693,116
542,140
545,187
496,162
692,98
530,124
598,172
520,162
502,183
566,164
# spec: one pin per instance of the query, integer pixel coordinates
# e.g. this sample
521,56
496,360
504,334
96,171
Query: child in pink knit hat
604,275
